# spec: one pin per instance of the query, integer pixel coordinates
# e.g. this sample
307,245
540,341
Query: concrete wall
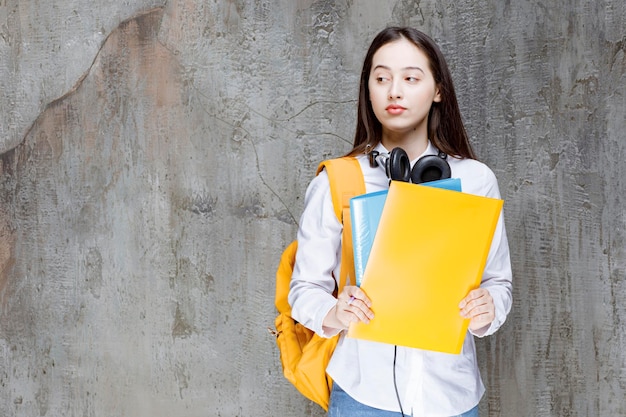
154,158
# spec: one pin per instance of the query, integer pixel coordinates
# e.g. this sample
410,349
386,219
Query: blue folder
365,211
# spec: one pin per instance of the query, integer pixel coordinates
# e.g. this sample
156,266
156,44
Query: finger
351,293
473,295
360,314
472,306
469,306
474,311
357,305
346,293
359,294
478,307
480,321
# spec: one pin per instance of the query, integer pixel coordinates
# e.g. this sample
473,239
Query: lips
395,109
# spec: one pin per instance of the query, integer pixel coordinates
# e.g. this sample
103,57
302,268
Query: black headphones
398,166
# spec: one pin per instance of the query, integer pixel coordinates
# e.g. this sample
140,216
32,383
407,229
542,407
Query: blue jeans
342,405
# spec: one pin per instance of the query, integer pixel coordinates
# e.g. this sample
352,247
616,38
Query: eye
412,79
381,79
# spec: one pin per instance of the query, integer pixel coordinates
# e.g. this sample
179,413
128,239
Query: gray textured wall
153,161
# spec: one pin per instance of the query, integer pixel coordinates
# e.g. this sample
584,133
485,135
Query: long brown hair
445,126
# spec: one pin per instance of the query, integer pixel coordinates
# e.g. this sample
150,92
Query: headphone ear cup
430,168
399,165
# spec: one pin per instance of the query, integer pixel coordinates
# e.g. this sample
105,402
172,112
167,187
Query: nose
395,91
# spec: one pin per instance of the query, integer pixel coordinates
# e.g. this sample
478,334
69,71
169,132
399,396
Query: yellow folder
429,251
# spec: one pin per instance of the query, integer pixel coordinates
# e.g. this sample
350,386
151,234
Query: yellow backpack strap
346,181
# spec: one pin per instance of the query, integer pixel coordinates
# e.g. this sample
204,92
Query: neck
413,143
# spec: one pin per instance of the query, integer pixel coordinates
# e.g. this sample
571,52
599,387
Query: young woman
406,100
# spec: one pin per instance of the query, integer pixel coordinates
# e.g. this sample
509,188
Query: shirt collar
430,150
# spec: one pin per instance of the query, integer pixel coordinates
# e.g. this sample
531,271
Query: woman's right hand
352,306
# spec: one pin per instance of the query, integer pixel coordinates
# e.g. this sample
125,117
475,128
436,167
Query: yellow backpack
304,355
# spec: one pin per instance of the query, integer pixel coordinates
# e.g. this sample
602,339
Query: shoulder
319,187
319,213
476,177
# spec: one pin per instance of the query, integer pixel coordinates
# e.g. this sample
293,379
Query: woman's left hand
479,308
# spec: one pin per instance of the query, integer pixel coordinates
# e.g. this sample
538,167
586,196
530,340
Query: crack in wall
84,76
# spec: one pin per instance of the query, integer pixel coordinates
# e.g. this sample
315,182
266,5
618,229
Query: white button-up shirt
429,383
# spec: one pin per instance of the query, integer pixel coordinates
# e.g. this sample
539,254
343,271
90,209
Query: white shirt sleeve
317,258
497,277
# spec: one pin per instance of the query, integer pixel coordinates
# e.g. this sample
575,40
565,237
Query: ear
437,98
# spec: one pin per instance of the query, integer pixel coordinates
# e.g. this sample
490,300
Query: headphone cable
395,384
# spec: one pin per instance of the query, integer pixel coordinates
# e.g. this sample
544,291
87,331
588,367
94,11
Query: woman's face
402,88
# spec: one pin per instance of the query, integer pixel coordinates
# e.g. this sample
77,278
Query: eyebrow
404,69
